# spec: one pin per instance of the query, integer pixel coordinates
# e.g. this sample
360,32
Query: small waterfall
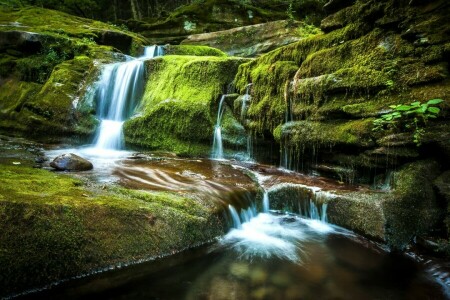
235,217
119,90
217,150
153,51
266,204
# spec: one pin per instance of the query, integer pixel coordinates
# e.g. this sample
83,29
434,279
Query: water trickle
118,92
217,150
235,217
266,204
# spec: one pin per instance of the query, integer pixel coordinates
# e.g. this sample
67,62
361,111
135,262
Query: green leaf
403,107
434,101
421,110
434,110
393,106
417,103
432,116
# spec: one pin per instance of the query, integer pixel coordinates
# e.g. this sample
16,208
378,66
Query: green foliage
39,67
411,117
290,13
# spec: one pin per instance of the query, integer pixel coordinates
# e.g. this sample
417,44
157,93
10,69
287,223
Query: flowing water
265,255
273,256
217,149
119,90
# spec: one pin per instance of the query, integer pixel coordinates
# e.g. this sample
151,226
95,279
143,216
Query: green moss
180,103
58,24
269,85
306,134
53,227
192,50
412,209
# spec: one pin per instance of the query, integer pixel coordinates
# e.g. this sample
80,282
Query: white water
119,90
267,235
217,149
274,236
266,204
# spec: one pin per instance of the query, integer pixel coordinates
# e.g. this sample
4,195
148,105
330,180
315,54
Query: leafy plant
412,116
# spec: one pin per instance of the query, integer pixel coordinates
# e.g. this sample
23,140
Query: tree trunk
135,10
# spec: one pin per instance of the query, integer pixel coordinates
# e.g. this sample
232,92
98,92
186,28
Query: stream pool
274,256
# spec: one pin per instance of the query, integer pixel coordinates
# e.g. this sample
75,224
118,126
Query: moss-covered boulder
180,103
54,227
254,40
217,15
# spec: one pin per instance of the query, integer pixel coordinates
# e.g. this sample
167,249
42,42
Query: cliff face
319,97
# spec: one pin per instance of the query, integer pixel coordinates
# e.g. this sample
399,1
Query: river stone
71,162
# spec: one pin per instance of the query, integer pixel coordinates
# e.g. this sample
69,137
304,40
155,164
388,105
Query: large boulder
71,162
253,40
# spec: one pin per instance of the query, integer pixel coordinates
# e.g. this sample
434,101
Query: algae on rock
54,227
180,102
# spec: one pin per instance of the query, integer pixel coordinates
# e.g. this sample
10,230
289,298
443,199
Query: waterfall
266,202
235,217
118,92
217,150
153,51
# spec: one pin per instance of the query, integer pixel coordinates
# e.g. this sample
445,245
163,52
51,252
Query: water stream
266,254
119,90
217,148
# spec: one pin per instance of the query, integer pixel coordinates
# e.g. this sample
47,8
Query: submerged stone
71,162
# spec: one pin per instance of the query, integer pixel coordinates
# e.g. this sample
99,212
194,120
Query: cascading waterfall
119,90
266,204
217,150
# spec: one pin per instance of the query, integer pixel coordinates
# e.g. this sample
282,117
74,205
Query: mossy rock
192,50
180,103
54,227
254,40
394,216
304,134
52,109
412,208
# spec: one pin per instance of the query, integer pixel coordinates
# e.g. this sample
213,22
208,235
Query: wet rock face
28,42
251,41
71,162
118,40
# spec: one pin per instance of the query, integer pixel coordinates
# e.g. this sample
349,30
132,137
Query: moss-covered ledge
393,216
54,227
180,103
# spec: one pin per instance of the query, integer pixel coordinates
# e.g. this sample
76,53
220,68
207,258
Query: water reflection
273,256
